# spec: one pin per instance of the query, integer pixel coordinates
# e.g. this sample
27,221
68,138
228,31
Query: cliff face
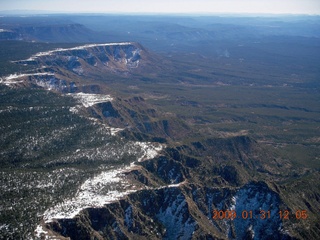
183,212
111,56
178,197
68,70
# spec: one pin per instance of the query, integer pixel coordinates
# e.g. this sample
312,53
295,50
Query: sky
166,6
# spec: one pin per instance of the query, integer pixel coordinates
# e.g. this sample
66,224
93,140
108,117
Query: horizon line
48,12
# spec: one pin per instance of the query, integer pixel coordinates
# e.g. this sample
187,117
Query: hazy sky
166,6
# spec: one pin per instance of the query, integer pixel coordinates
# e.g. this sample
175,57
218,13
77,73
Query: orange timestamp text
260,214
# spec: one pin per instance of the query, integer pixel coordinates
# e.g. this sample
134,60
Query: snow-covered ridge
48,53
118,59
95,192
12,78
108,186
15,76
102,189
88,99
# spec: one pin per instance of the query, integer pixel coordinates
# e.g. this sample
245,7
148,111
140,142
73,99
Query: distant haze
165,6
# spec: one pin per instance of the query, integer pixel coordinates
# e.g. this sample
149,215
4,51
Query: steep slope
180,201
114,56
173,213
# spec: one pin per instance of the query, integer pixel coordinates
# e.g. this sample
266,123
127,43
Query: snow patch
233,203
150,150
41,232
102,189
174,185
114,131
74,110
174,219
4,226
88,99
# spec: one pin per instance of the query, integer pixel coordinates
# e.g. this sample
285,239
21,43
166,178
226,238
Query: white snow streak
88,99
48,53
12,78
114,131
15,76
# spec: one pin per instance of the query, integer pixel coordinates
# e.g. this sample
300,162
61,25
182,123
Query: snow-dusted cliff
111,56
61,69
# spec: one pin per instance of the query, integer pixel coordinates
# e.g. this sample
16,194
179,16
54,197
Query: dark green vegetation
236,100
47,152
17,50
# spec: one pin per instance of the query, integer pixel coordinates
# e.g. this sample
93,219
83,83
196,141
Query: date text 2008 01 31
260,214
